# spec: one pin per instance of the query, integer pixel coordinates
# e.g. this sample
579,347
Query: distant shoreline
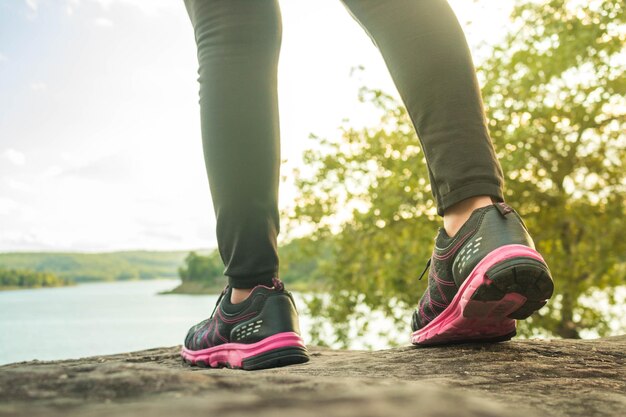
94,267
35,287
76,283
194,288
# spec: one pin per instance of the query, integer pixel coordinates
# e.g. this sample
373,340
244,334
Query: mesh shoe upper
454,258
267,311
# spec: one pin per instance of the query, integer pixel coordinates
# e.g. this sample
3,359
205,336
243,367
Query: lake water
103,318
95,319
115,317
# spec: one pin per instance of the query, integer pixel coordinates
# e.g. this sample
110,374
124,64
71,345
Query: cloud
38,86
103,22
17,185
148,7
25,240
7,206
32,4
52,171
110,168
71,6
2,57
14,156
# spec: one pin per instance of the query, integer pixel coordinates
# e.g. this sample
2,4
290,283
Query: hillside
110,266
298,268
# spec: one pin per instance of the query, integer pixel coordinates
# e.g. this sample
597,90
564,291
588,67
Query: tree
13,278
376,178
203,269
555,95
554,92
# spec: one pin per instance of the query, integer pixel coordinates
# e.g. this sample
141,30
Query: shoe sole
510,283
277,350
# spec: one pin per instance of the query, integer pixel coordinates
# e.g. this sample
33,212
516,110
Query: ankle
238,295
456,215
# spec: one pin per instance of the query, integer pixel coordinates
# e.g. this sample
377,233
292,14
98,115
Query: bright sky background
99,123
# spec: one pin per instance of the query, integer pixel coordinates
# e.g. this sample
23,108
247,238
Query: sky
100,145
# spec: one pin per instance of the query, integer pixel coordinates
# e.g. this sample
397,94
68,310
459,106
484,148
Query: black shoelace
425,269
219,300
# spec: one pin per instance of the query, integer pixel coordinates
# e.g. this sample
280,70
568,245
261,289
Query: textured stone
518,378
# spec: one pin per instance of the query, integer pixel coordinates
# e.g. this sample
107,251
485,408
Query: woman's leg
427,56
238,47
484,272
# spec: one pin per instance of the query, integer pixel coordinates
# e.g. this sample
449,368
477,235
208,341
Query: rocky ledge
518,378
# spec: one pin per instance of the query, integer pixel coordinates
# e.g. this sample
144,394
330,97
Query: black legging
238,47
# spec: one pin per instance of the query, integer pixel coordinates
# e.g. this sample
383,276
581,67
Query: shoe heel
277,357
523,279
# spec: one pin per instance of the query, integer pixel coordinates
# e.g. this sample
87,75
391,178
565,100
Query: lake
95,319
104,318
115,317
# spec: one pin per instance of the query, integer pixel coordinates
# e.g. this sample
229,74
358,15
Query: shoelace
278,286
219,300
425,269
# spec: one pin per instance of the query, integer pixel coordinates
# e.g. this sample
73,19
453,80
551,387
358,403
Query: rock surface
518,378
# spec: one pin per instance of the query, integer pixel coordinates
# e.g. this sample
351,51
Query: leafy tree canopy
20,278
555,98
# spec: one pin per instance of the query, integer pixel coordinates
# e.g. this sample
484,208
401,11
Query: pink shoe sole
510,283
277,350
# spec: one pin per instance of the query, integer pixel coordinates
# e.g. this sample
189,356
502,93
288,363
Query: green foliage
83,267
554,92
208,269
555,99
16,278
201,274
301,264
377,179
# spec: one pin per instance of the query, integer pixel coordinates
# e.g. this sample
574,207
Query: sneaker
481,280
261,332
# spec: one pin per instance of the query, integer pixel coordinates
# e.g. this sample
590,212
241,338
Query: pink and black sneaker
261,332
481,280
